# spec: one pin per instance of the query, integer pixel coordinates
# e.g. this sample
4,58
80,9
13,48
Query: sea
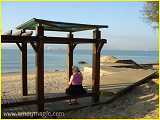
56,59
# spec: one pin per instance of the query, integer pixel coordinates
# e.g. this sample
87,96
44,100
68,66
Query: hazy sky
127,28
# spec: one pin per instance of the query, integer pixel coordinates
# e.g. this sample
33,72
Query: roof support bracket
33,46
100,45
74,45
19,46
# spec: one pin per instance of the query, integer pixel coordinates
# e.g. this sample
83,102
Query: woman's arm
70,81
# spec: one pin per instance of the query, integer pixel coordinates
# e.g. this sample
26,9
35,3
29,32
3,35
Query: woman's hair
75,68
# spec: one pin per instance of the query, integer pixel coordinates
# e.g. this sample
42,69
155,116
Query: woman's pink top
77,78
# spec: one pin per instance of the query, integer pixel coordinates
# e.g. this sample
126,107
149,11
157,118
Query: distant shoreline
32,72
57,60
56,70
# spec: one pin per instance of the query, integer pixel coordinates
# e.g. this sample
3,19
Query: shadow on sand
141,102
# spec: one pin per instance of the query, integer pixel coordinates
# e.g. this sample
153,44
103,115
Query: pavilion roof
58,26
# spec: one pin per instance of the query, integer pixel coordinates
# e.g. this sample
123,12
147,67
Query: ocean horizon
56,59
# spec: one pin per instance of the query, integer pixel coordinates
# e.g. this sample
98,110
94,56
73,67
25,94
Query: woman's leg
75,100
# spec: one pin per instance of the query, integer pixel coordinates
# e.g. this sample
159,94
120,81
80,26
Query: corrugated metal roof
58,26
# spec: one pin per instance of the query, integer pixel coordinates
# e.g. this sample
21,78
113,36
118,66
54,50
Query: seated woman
75,88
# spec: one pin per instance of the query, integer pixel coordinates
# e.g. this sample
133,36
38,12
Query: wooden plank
65,97
30,102
48,40
20,103
24,69
129,88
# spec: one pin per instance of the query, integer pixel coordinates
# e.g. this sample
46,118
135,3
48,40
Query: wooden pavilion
38,41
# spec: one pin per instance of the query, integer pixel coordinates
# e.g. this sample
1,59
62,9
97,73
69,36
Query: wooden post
40,69
24,68
96,67
70,55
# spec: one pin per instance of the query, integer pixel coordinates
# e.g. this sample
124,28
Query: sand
54,82
141,102
57,81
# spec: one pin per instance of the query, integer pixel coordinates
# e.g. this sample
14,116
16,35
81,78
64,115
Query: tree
151,12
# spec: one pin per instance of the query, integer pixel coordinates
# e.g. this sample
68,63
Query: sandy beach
57,80
141,102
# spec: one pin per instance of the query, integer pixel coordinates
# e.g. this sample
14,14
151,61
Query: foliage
151,12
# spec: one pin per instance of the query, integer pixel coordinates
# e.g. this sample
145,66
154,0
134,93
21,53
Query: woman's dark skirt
75,90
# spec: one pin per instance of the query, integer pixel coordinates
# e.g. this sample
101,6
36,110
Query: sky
127,28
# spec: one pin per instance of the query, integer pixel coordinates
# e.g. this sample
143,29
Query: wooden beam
17,39
30,102
40,69
48,40
24,69
96,67
70,60
63,40
23,48
65,97
71,47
